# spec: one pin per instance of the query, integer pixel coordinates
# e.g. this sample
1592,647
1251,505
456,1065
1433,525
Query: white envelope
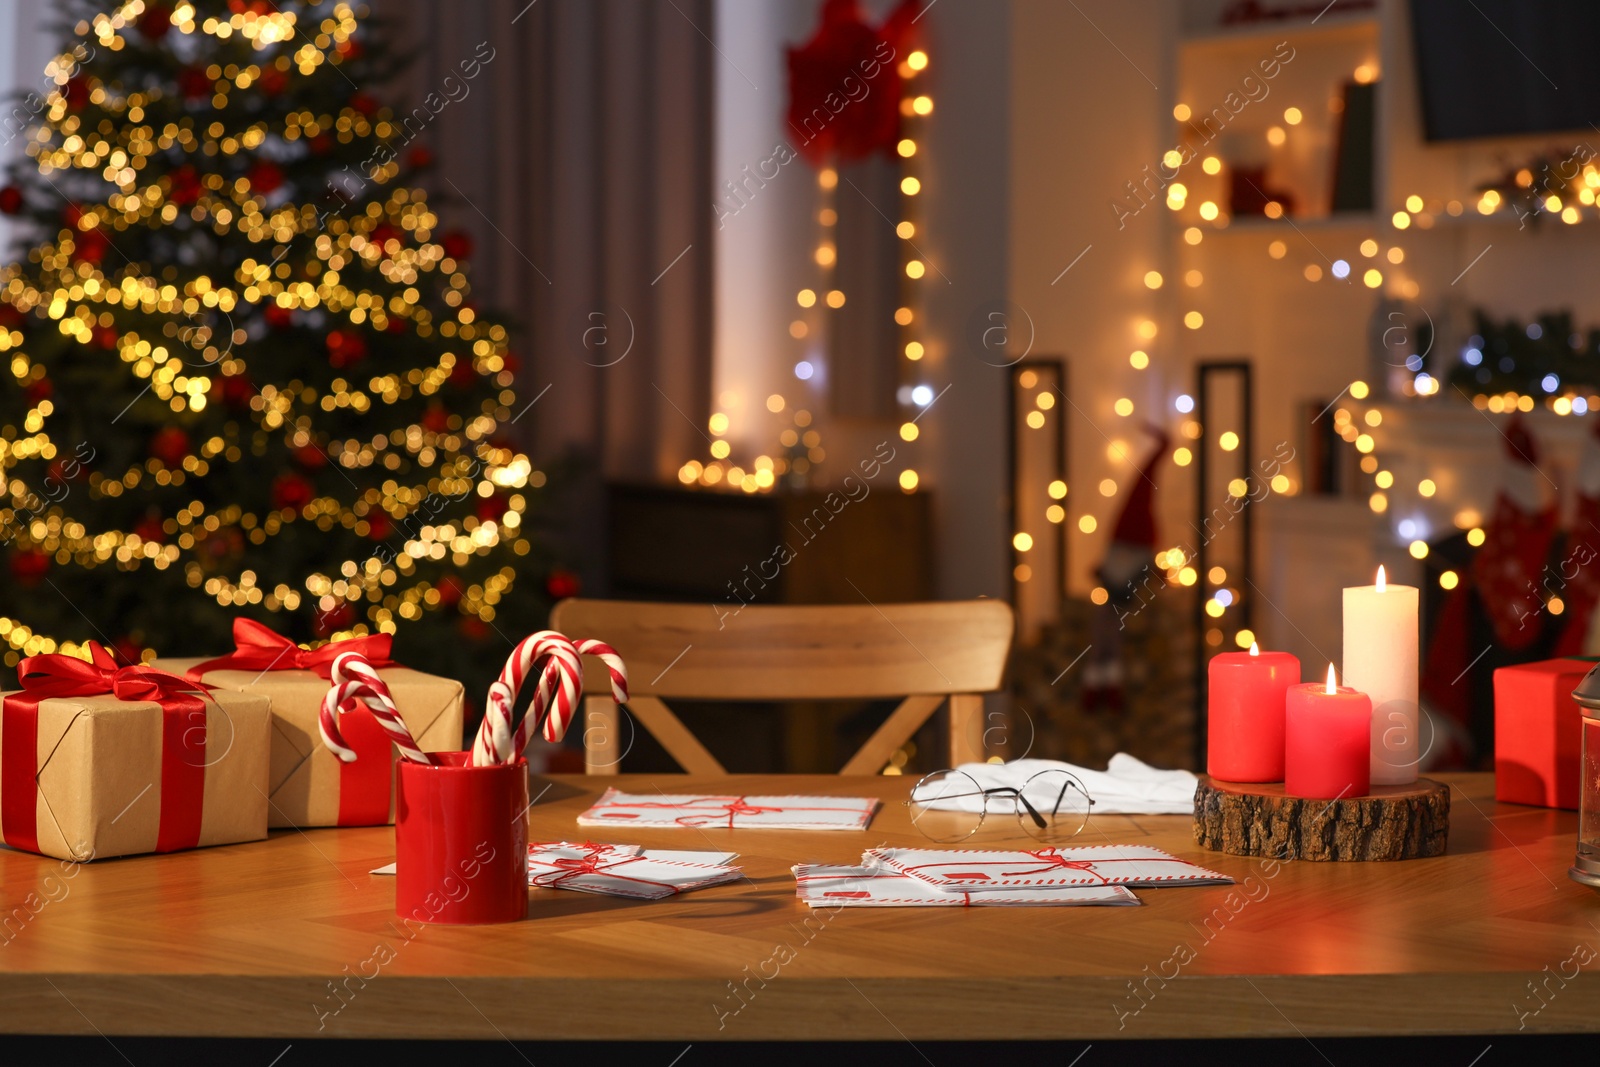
977,871
705,811
628,876
868,887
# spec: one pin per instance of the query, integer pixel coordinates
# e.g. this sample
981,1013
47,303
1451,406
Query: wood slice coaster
1397,822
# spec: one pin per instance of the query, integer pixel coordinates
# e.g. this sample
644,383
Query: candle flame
1333,680
1383,582
1255,649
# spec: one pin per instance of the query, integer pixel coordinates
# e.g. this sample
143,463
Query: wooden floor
253,940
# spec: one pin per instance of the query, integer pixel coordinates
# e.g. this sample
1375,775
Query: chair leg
602,748
966,728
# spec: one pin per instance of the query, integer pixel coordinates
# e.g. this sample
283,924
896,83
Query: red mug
461,841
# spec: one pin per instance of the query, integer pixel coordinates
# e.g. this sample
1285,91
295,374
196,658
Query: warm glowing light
1475,537
1333,681
908,482
908,431
1045,401
1292,116
1369,248
827,177
1378,503
1373,278
1208,211
1194,320
1215,608
1138,360
1152,279
903,316
905,231
1449,580
835,298
1365,443
1193,279
1193,235
1426,487
720,449
907,147
922,105
718,423
1183,457
1418,549
1055,513
1035,420
1396,254
1098,595
1277,249
1313,272
1247,638
910,186
805,298
1057,489
917,60
1238,487
1382,580
1147,329
1384,479
1181,112
1276,135
1228,441
1211,165
1087,523
1172,158
1123,406
915,269
826,254
1401,220
1366,74
1280,483
1359,390
914,350
1108,487
1556,605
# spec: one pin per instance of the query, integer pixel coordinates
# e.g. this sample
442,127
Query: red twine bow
1054,860
259,648
183,739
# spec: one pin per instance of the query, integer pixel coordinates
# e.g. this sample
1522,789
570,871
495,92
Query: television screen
1490,68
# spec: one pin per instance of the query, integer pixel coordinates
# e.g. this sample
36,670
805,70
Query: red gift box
1538,733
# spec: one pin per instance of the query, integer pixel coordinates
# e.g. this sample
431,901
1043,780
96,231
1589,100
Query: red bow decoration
844,89
183,739
1054,860
259,648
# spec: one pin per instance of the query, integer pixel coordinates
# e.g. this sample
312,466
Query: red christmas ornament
43,389
491,508
450,591
420,157
237,391
292,491
463,375
396,324
379,525
70,215
10,200
106,337
349,49
11,318
328,623
346,348
170,445
155,22
457,244
279,318
383,233
436,419
473,628
273,81
311,457
28,566
76,92
67,470
561,584
126,651
150,529
265,176
363,103
194,85
512,363
90,247
183,186
320,144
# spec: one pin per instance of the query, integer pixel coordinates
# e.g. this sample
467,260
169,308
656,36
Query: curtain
579,158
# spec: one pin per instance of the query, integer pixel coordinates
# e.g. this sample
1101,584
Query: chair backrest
924,652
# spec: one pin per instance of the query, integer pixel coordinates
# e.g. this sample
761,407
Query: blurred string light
393,239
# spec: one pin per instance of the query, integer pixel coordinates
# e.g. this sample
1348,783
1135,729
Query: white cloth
1127,786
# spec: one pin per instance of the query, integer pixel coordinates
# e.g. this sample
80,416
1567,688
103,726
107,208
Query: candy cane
560,713
355,678
608,655
499,739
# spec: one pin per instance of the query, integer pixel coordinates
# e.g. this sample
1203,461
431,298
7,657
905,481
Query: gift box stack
98,760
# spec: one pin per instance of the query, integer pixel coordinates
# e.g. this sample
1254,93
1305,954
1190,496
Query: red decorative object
237,391
194,85
491,508
106,337
457,244
183,186
327,623
379,525
844,86
1538,733
396,324
155,22
450,591
364,103
71,215
90,247
311,457
349,49
273,81
76,92
265,176
561,584
420,157
43,389
320,144
462,375
11,200
473,628
150,528
29,566
170,445
126,650
279,318
346,348
436,419
1249,193
291,491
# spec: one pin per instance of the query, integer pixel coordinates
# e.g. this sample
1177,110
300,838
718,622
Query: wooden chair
926,653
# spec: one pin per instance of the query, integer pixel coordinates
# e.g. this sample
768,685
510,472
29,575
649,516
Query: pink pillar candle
1328,741
1245,708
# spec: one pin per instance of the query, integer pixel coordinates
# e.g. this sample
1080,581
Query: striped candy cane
356,679
613,662
560,714
500,739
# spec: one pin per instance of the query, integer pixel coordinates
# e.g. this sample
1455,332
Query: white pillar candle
1380,660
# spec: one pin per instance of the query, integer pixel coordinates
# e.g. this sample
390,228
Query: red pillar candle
1245,707
1328,741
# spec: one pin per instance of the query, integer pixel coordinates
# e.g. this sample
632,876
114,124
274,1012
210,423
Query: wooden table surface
248,940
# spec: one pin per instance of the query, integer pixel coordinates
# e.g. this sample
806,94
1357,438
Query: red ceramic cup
461,841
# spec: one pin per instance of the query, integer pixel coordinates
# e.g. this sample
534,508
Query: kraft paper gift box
309,786
92,776
1538,733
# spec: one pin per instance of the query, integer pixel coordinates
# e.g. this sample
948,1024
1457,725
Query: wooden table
248,940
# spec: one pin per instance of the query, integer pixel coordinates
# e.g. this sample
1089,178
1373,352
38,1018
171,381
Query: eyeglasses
949,806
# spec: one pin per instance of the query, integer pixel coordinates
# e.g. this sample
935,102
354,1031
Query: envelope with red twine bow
977,871
99,761
701,811
309,785
820,886
621,870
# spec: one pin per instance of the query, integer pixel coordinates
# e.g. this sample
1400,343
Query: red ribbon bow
183,740
260,648
1054,860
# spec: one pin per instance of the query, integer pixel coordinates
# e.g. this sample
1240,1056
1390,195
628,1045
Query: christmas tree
247,377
